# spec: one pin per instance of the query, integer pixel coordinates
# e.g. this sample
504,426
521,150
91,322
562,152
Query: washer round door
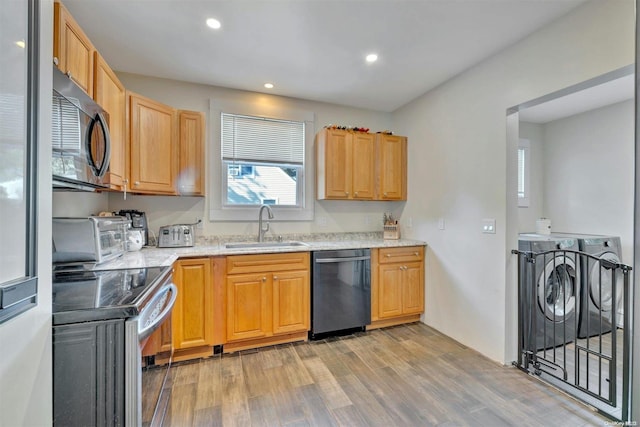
557,288
601,280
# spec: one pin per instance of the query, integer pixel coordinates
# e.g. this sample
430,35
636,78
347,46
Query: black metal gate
570,330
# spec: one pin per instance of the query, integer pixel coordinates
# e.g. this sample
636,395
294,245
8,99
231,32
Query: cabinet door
392,167
153,149
290,302
192,315
363,169
413,288
72,48
248,306
337,165
191,142
390,290
110,93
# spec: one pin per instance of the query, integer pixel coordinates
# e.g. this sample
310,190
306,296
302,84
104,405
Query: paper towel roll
543,226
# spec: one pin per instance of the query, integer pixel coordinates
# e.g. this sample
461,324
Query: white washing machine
550,289
596,314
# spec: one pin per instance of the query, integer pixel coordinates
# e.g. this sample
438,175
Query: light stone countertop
154,257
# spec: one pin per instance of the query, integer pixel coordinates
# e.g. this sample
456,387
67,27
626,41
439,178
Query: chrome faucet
261,230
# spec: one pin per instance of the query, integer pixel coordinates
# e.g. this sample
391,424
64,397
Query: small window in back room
264,161
523,173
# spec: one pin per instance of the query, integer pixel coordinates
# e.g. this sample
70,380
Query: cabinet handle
136,183
56,61
275,277
346,193
355,194
416,253
388,255
384,194
69,74
264,279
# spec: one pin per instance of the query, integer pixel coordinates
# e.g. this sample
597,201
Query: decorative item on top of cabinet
72,49
110,93
397,285
267,299
391,167
152,148
192,318
192,137
345,163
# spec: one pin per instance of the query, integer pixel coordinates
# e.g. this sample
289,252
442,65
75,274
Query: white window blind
262,140
521,171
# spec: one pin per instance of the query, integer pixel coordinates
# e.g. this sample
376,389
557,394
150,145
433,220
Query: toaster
176,236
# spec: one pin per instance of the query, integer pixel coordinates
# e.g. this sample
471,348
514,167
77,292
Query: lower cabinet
397,291
192,318
267,299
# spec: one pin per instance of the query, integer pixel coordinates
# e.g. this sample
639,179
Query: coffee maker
138,222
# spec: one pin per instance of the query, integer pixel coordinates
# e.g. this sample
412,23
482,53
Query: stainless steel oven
106,370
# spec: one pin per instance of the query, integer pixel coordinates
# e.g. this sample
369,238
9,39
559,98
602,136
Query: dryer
596,314
550,290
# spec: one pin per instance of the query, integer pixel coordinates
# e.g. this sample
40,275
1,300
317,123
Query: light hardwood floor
407,375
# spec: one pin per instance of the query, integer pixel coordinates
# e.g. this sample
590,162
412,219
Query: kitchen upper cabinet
191,145
267,299
110,93
391,166
72,48
397,291
192,316
360,166
152,147
345,164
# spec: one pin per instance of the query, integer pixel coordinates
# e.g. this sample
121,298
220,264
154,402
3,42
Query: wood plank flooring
408,375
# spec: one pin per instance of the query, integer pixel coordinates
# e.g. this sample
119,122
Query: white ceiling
611,92
311,49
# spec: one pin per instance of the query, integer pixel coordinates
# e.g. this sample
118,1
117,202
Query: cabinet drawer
237,264
402,254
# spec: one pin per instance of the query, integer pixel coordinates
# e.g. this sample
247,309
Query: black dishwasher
341,292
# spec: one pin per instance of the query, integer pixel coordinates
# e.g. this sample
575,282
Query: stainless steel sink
257,245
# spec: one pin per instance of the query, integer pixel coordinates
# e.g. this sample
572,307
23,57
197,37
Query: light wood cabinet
152,148
267,299
72,48
397,291
192,316
345,163
360,166
110,93
191,146
391,167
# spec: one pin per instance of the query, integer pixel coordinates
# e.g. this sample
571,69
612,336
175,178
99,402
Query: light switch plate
489,225
441,224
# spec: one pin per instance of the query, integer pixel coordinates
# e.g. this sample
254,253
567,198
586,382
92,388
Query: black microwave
80,137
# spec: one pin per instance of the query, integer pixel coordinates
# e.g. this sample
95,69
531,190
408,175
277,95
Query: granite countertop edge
161,257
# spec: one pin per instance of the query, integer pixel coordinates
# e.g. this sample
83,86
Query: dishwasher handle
346,259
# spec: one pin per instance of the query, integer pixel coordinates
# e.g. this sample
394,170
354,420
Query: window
523,173
263,155
264,159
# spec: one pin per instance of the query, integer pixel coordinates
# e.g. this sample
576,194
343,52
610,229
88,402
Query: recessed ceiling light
268,85
213,23
21,43
372,57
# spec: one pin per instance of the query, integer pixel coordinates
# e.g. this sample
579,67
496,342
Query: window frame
218,209
525,146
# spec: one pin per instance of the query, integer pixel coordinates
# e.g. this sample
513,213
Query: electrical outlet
489,225
409,222
441,224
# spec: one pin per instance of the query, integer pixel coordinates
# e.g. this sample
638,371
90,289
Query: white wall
458,170
25,341
527,216
162,210
589,173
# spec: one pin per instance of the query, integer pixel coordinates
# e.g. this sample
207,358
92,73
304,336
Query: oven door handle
147,330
